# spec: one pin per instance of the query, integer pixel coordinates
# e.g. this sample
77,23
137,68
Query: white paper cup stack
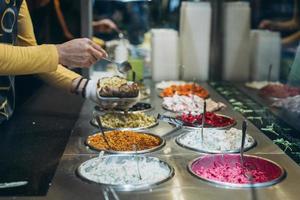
236,52
164,54
195,29
265,51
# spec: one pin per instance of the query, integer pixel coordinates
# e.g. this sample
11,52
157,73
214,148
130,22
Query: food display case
182,140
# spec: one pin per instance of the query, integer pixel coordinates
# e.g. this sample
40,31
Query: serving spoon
122,67
246,173
100,127
137,161
203,120
244,129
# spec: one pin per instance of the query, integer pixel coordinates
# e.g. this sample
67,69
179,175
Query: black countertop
33,140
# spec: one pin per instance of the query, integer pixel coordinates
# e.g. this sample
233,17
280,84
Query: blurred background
259,37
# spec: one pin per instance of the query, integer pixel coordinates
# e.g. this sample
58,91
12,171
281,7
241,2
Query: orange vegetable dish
185,90
123,141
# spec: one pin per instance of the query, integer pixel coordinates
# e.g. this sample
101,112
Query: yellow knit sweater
29,58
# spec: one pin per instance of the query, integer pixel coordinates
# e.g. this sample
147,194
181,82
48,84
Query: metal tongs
107,191
100,127
171,120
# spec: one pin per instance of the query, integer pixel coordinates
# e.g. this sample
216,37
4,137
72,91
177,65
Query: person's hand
267,24
105,26
81,52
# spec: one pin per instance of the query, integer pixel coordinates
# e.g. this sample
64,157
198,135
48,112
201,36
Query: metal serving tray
162,143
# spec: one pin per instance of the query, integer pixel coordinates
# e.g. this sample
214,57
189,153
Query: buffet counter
183,185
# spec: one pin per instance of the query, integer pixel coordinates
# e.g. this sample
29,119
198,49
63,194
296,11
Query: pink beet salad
228,169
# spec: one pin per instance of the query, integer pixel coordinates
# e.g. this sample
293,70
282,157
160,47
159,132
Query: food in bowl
190,103
164,84
211,120
127,120
186,90
123,141
117,87
123,171
215,140
228,169
279,91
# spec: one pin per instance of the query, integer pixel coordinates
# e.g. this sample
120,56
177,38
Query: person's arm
16,60
291,24
27,60
59,76
291,38
62,21
72,52
279,26
104,26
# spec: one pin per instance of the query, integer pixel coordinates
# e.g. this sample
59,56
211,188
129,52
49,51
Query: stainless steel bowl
177,140
94,123
223,127
117,103
98,109
162,143
125,187
209,160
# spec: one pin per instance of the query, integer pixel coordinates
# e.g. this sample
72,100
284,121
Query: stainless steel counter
66,185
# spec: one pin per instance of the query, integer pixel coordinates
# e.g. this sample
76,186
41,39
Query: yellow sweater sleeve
15,60
54,74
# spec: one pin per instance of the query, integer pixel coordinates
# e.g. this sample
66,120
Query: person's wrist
79,86
60,54
74,84
82,87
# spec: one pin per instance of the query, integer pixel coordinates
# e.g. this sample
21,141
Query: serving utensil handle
244,130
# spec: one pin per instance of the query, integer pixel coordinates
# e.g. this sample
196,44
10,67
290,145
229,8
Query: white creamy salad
192,103
164,84
215,140
121,170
